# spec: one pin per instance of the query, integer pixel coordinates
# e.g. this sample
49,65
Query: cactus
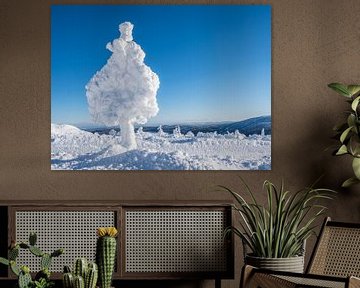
91,276
67,269
57,252
25,269
45,261
13,253
36,251
32,238
90,272
105,254
24,277
68,280
79,282
44,273
24,245
14,268
42,278
80,268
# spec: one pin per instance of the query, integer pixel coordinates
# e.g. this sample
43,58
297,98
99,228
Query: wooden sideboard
157,240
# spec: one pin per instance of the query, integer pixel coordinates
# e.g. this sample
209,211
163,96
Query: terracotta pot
291,264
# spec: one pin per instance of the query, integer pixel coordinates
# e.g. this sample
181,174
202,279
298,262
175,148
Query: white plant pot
291,264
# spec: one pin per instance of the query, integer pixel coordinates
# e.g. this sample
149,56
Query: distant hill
247,127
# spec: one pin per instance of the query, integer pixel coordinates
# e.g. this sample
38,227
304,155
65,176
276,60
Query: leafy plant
348,132
279,229
43,283
42,278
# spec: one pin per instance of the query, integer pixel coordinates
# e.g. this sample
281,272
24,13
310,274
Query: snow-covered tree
112,132
161,132
238,135
124,91
140,130
177,131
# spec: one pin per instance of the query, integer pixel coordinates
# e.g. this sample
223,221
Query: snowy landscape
76,149
108,101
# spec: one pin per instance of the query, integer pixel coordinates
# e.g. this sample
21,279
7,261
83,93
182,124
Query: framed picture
161,87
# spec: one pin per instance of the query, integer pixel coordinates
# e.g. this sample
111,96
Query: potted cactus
42,278
106,254
85,275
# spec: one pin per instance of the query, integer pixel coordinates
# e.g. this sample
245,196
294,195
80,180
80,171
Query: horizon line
98,125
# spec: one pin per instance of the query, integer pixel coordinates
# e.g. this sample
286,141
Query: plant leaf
355,103
351,120
356,167
342,150
353,89
349,182
340,88
345,134
4,261
354,145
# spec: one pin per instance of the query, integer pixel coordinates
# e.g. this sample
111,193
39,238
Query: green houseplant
42,278
275,233
348,132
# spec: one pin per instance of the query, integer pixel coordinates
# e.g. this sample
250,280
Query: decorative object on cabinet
22,270
276,233
335,262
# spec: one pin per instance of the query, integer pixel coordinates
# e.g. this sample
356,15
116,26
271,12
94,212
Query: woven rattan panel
311,282
75,231
175,241
338,253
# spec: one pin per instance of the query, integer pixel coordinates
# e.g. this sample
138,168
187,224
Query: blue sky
214,62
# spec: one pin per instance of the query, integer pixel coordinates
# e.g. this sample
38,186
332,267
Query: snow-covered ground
75,149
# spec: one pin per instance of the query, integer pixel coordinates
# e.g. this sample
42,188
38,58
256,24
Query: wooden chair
335,262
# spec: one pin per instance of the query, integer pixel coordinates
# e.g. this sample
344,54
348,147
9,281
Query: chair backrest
337,251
